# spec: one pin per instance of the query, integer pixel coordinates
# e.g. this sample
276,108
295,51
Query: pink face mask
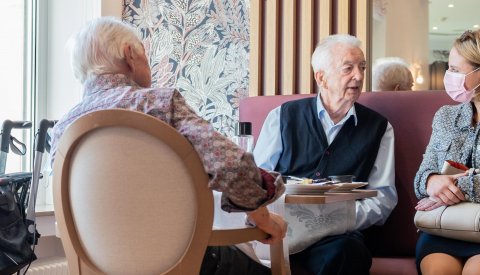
455,86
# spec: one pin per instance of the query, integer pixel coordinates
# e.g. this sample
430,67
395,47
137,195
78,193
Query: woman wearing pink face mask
456,137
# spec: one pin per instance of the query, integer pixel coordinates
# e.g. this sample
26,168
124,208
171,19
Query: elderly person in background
331,134
391,74
455,137
109,60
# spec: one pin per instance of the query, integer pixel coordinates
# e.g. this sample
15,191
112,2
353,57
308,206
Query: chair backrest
131,196
410,114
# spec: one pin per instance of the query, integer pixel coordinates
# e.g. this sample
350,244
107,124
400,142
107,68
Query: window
23,93
13,99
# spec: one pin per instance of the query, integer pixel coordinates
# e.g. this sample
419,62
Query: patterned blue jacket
453,138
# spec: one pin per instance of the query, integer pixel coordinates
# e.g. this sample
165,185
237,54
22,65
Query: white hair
322,56
388,72
98,48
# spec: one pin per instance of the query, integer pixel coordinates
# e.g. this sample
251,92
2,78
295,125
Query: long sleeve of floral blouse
454,139
232,171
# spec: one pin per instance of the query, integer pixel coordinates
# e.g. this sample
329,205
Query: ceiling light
451,5
476,26
436,28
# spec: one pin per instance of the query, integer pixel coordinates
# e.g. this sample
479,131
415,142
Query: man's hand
270,223
442,188
427,204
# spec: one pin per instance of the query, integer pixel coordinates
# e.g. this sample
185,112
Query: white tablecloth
307,223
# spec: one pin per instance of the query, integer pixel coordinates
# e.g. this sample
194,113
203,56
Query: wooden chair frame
78,261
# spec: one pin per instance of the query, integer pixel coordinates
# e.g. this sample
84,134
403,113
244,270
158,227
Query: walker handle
45,124
7,127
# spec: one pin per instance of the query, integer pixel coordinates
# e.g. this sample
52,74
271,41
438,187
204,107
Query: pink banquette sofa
411,114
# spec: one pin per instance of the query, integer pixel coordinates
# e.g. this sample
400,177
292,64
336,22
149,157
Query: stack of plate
308,189
347,186
305,189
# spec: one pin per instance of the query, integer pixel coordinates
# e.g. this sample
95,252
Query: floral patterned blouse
453,138
231,170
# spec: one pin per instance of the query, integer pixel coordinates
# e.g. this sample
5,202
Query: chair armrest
220,237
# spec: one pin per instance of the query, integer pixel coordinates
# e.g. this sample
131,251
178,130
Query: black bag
15,249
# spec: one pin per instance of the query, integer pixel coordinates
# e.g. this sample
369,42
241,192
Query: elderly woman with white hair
391,74
109,60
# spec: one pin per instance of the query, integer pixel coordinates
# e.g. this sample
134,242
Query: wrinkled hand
271,223
427,204
442,188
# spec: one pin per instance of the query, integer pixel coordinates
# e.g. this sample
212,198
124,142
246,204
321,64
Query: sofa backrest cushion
410,114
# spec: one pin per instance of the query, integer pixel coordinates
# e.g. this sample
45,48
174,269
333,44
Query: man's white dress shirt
369,211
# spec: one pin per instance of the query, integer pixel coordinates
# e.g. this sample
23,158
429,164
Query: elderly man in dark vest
329,135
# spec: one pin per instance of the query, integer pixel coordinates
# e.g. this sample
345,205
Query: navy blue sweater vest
306,152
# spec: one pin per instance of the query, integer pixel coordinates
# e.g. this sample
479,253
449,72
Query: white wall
65,17
404,33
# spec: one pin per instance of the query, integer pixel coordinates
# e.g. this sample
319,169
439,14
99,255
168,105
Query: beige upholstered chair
131,197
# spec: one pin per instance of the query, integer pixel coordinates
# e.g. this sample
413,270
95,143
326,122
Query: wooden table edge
330,197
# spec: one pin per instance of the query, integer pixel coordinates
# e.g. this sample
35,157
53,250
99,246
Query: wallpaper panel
201,48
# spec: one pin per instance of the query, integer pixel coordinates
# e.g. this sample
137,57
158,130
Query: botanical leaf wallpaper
201,48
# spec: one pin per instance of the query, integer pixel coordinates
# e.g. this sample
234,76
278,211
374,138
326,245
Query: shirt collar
104,82
321,112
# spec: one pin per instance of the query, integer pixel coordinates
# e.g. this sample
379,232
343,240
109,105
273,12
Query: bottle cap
243,128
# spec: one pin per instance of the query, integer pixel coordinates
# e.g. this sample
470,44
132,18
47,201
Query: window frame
35,80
